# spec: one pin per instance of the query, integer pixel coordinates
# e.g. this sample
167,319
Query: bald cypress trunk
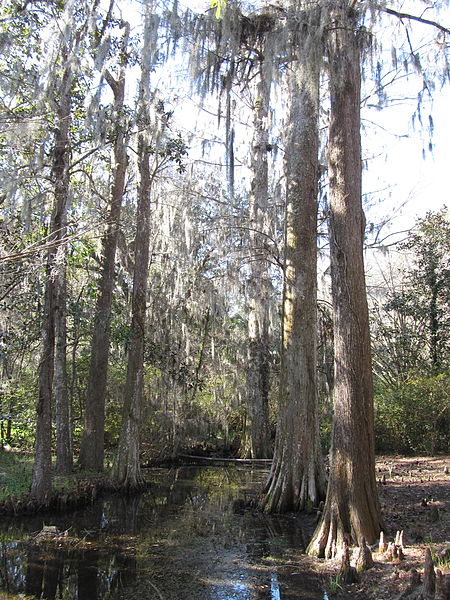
42,468
92,444
352,509
53,369
126,468
64,457
256,438
297,476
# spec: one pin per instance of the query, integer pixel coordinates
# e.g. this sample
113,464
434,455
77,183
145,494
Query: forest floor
415,498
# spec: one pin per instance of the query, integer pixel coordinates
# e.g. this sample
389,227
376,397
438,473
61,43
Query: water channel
188,537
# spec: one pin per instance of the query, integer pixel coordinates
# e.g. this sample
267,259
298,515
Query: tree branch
402,15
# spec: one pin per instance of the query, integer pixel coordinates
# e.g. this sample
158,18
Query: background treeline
87,89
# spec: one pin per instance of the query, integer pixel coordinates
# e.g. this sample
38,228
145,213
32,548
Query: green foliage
411,346
440,561
17,411
429,283
410,327
335,583
219,5
15,474
414,417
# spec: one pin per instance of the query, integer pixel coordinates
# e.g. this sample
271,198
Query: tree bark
64,457
42,468
352,509
297,477
92,444
256,437
54,322
126,470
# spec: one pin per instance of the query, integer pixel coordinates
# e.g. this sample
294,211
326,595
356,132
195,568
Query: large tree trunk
256,438
352,509
297,476
92,444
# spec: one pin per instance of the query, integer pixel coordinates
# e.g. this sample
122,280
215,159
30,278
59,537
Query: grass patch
440,561
15,474
334,583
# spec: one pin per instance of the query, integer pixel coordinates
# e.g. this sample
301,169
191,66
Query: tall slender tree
126,468
92,444
352,509
52,369
256,435
297,476
61,174
72,23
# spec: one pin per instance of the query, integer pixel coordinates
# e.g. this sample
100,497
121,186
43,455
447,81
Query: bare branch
402,15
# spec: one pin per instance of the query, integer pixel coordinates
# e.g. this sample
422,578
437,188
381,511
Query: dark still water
185,539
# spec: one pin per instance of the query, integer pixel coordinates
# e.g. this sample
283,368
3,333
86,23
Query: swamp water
186,538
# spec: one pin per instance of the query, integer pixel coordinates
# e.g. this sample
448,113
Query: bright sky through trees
406,164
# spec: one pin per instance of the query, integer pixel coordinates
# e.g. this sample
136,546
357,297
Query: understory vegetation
183,244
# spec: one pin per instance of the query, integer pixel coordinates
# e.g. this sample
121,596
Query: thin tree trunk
64,458
42,468
126,469
54,321
297,477
256,437
92,444
352,509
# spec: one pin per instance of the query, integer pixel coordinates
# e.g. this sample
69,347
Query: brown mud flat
415,498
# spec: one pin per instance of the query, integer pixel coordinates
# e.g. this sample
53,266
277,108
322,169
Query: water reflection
182,540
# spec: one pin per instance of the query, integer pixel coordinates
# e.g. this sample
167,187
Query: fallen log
262,461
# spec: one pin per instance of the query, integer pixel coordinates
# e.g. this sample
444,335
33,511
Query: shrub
414,418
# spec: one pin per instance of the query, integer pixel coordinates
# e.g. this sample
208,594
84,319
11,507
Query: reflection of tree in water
181,539
87,580
34,573
44,572
87,571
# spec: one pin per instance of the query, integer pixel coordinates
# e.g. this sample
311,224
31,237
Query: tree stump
429,578
347,573
442,586
382,546
364,560
394,553
399,539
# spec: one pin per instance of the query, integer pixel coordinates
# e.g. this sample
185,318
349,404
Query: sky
410,178
403,178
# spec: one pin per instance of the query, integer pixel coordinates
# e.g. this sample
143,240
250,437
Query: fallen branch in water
264,461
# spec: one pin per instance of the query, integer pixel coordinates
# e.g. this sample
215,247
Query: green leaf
218,5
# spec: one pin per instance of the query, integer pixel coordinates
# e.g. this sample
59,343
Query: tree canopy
172,181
